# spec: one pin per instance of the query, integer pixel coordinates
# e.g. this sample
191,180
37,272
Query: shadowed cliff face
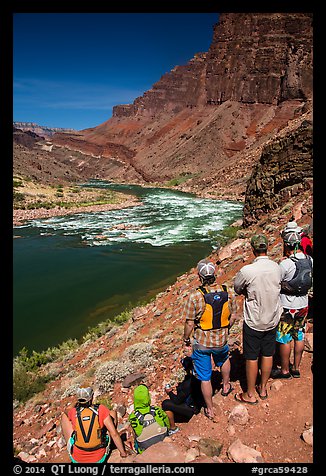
285,169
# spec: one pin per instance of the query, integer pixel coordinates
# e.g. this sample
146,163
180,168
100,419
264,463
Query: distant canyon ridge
235,122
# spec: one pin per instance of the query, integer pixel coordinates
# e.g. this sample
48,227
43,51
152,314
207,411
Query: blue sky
70,69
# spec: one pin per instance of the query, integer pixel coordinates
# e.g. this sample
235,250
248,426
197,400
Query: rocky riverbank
64,200
21,216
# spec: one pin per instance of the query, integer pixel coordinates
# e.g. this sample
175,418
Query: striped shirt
193,310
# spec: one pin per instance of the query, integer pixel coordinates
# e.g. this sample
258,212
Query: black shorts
182,411
257,343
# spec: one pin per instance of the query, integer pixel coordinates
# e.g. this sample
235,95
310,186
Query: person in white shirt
294,299
260,283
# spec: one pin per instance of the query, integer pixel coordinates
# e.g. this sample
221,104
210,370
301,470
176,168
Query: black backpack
301,282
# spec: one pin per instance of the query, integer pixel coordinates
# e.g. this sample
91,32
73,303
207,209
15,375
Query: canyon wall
254,58
285,169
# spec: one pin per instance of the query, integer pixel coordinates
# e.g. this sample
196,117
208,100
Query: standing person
207,312
150,423
260,283
296,275
88,428
305,242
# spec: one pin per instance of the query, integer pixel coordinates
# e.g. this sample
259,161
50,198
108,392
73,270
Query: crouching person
150,423
88,429
187,399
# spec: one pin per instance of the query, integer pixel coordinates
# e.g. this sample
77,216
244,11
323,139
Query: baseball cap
291,237
206,268
259,242
84,395
291,233
292,226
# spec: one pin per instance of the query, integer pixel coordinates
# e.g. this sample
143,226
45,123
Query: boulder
132,379
239,415
307,436
241,453
210,447
162,452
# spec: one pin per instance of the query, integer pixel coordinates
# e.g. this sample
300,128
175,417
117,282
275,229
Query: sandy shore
21,216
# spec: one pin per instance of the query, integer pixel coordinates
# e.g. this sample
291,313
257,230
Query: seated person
88,429
187,400
150,423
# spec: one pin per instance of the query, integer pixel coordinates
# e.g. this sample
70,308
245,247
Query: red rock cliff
253,58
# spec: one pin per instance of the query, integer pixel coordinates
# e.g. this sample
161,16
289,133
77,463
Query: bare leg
225,371
298,351
266,367
207,391
251,373
171,419
285,351
66,426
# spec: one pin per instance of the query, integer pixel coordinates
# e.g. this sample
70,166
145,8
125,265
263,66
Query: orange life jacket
89,436
217,313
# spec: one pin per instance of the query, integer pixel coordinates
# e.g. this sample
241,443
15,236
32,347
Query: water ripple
164,218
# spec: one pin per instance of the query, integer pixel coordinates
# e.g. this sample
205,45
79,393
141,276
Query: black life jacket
301,282
217,312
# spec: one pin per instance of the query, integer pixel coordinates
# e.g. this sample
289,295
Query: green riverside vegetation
27,378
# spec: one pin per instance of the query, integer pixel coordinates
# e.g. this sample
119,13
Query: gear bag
152,431
301,282
217,312
89,436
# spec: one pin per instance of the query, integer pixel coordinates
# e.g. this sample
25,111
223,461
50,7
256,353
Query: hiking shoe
277,373
175,430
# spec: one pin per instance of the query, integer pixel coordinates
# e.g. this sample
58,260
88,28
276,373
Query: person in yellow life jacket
88,429
209,314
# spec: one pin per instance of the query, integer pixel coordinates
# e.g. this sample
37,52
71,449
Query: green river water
74,271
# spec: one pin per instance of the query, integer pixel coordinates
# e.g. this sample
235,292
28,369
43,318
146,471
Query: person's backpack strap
87,436
141,416
202,290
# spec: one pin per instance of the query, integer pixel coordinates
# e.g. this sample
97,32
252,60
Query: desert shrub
135,357
18,197
110,372
140,353
17,183
107,325
26,383
104,401
183,177
224,236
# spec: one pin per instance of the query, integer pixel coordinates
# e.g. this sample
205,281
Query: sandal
239,398
225,394
209,416
262,397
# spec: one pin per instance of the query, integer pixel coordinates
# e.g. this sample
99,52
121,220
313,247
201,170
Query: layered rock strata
285,169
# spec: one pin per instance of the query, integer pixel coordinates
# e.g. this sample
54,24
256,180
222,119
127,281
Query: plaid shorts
292,325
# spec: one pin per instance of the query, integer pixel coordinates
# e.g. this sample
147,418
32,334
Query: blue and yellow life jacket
217,312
